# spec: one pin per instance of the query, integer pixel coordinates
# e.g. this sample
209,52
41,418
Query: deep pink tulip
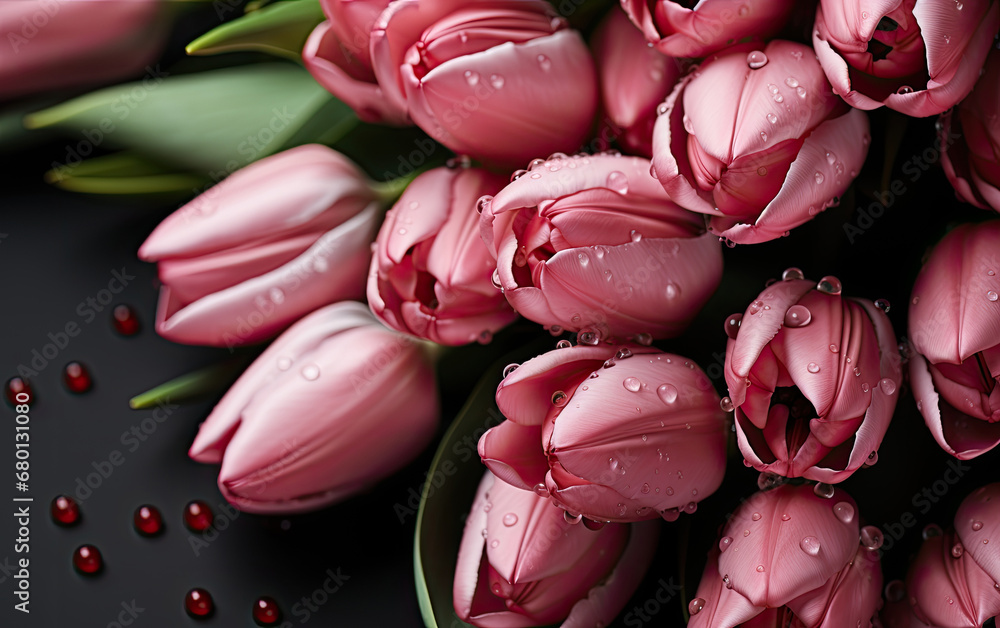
593,243
689,29
501,80
635,79
814,378
431,273
271,243
336,403
789,558
970,135
919,58
955,335
339,57
610,435
521,563
755,139
52,44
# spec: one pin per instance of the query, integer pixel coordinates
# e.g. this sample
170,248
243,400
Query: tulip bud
336,403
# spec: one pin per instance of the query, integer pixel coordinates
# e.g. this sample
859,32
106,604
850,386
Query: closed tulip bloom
271,243
431,274
612,435
814,379
755,140
970,137
53,45
333,405
593,243
919,58
789,558
955,335
338,56
635,79
688,29
522,563
503,81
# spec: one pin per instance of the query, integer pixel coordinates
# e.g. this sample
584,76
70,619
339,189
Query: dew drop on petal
756,60
472,78
792,274
798,316
905,89
667,393
496,81
541,490
583,258
991,296
844,511
509,519
819,177
930,531
760,568
724,543
310,372
632,384
887,385
559,398
773,119
871,537
977,525
810,545
812,367
829,285
957,550
618,182
726,404
695,606
821,489
572,519
544,63
755,516
732,325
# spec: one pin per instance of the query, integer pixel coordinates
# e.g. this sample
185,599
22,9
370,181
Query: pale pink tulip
697,29
333,405
503,81
268,245
951,591
955,335
612,434
521,563
919,58
593,243
755,139
814,378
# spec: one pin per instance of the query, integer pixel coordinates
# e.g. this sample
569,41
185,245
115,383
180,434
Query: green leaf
124,173
213,122
279,29
209,380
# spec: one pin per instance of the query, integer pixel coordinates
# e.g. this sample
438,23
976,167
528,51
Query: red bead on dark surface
15,390
148,520
198,603
198,516
266,611
125,320
87,559
77,378
65,511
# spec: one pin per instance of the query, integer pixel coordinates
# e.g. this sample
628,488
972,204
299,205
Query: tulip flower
522,563
813,377
755,139
336,403
635,79
593,243
431,274
338,56
610,435
955,335
50,44
970,140
687,29
271,243
501,81
919,58
788,557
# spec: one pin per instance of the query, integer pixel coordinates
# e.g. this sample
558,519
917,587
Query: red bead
266,611
198,516
87,559
148,520
65,511
198,603
77,378
125,320
16,389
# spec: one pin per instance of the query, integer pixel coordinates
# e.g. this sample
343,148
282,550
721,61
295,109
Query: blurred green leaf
191,386
280,29
124,173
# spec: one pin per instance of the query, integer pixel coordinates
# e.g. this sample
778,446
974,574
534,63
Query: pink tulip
271,243
789,558
338,56
755,139
336,403
610,435
813,377
52,44
593,243
706,27
970,137
431,273
635,79
501,80
521,563
919,58
955,334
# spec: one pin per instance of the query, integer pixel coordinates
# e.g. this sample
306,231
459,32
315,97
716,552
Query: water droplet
541,490
65,511
801,91
810,545
991,296
564,344
198,516
755,307
644,339
882,304
773,119
724,543
887,385
786,517
645,488
756,60
990,273
905,89
494,543
755,516
583,258
198,603
760,568
947,39
864,387
779,98
662,109
812,367
959,6
87,559
544,63
635,235
559,398
483,201
618,182
762,171
857,371
496,81
930,531
632,384
77,378
977,526
798,316
871,537
310,372
819,177
509,519
147,520
588,337
472,78
726,404
821,489
695,606
957,550
834,349
125,320
732,325
872,459
667,393
829,285
746,533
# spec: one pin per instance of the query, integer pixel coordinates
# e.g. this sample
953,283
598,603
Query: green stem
205,381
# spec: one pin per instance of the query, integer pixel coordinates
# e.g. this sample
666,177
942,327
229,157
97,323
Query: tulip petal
950,591
724,606
854,595
514,454
976,523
